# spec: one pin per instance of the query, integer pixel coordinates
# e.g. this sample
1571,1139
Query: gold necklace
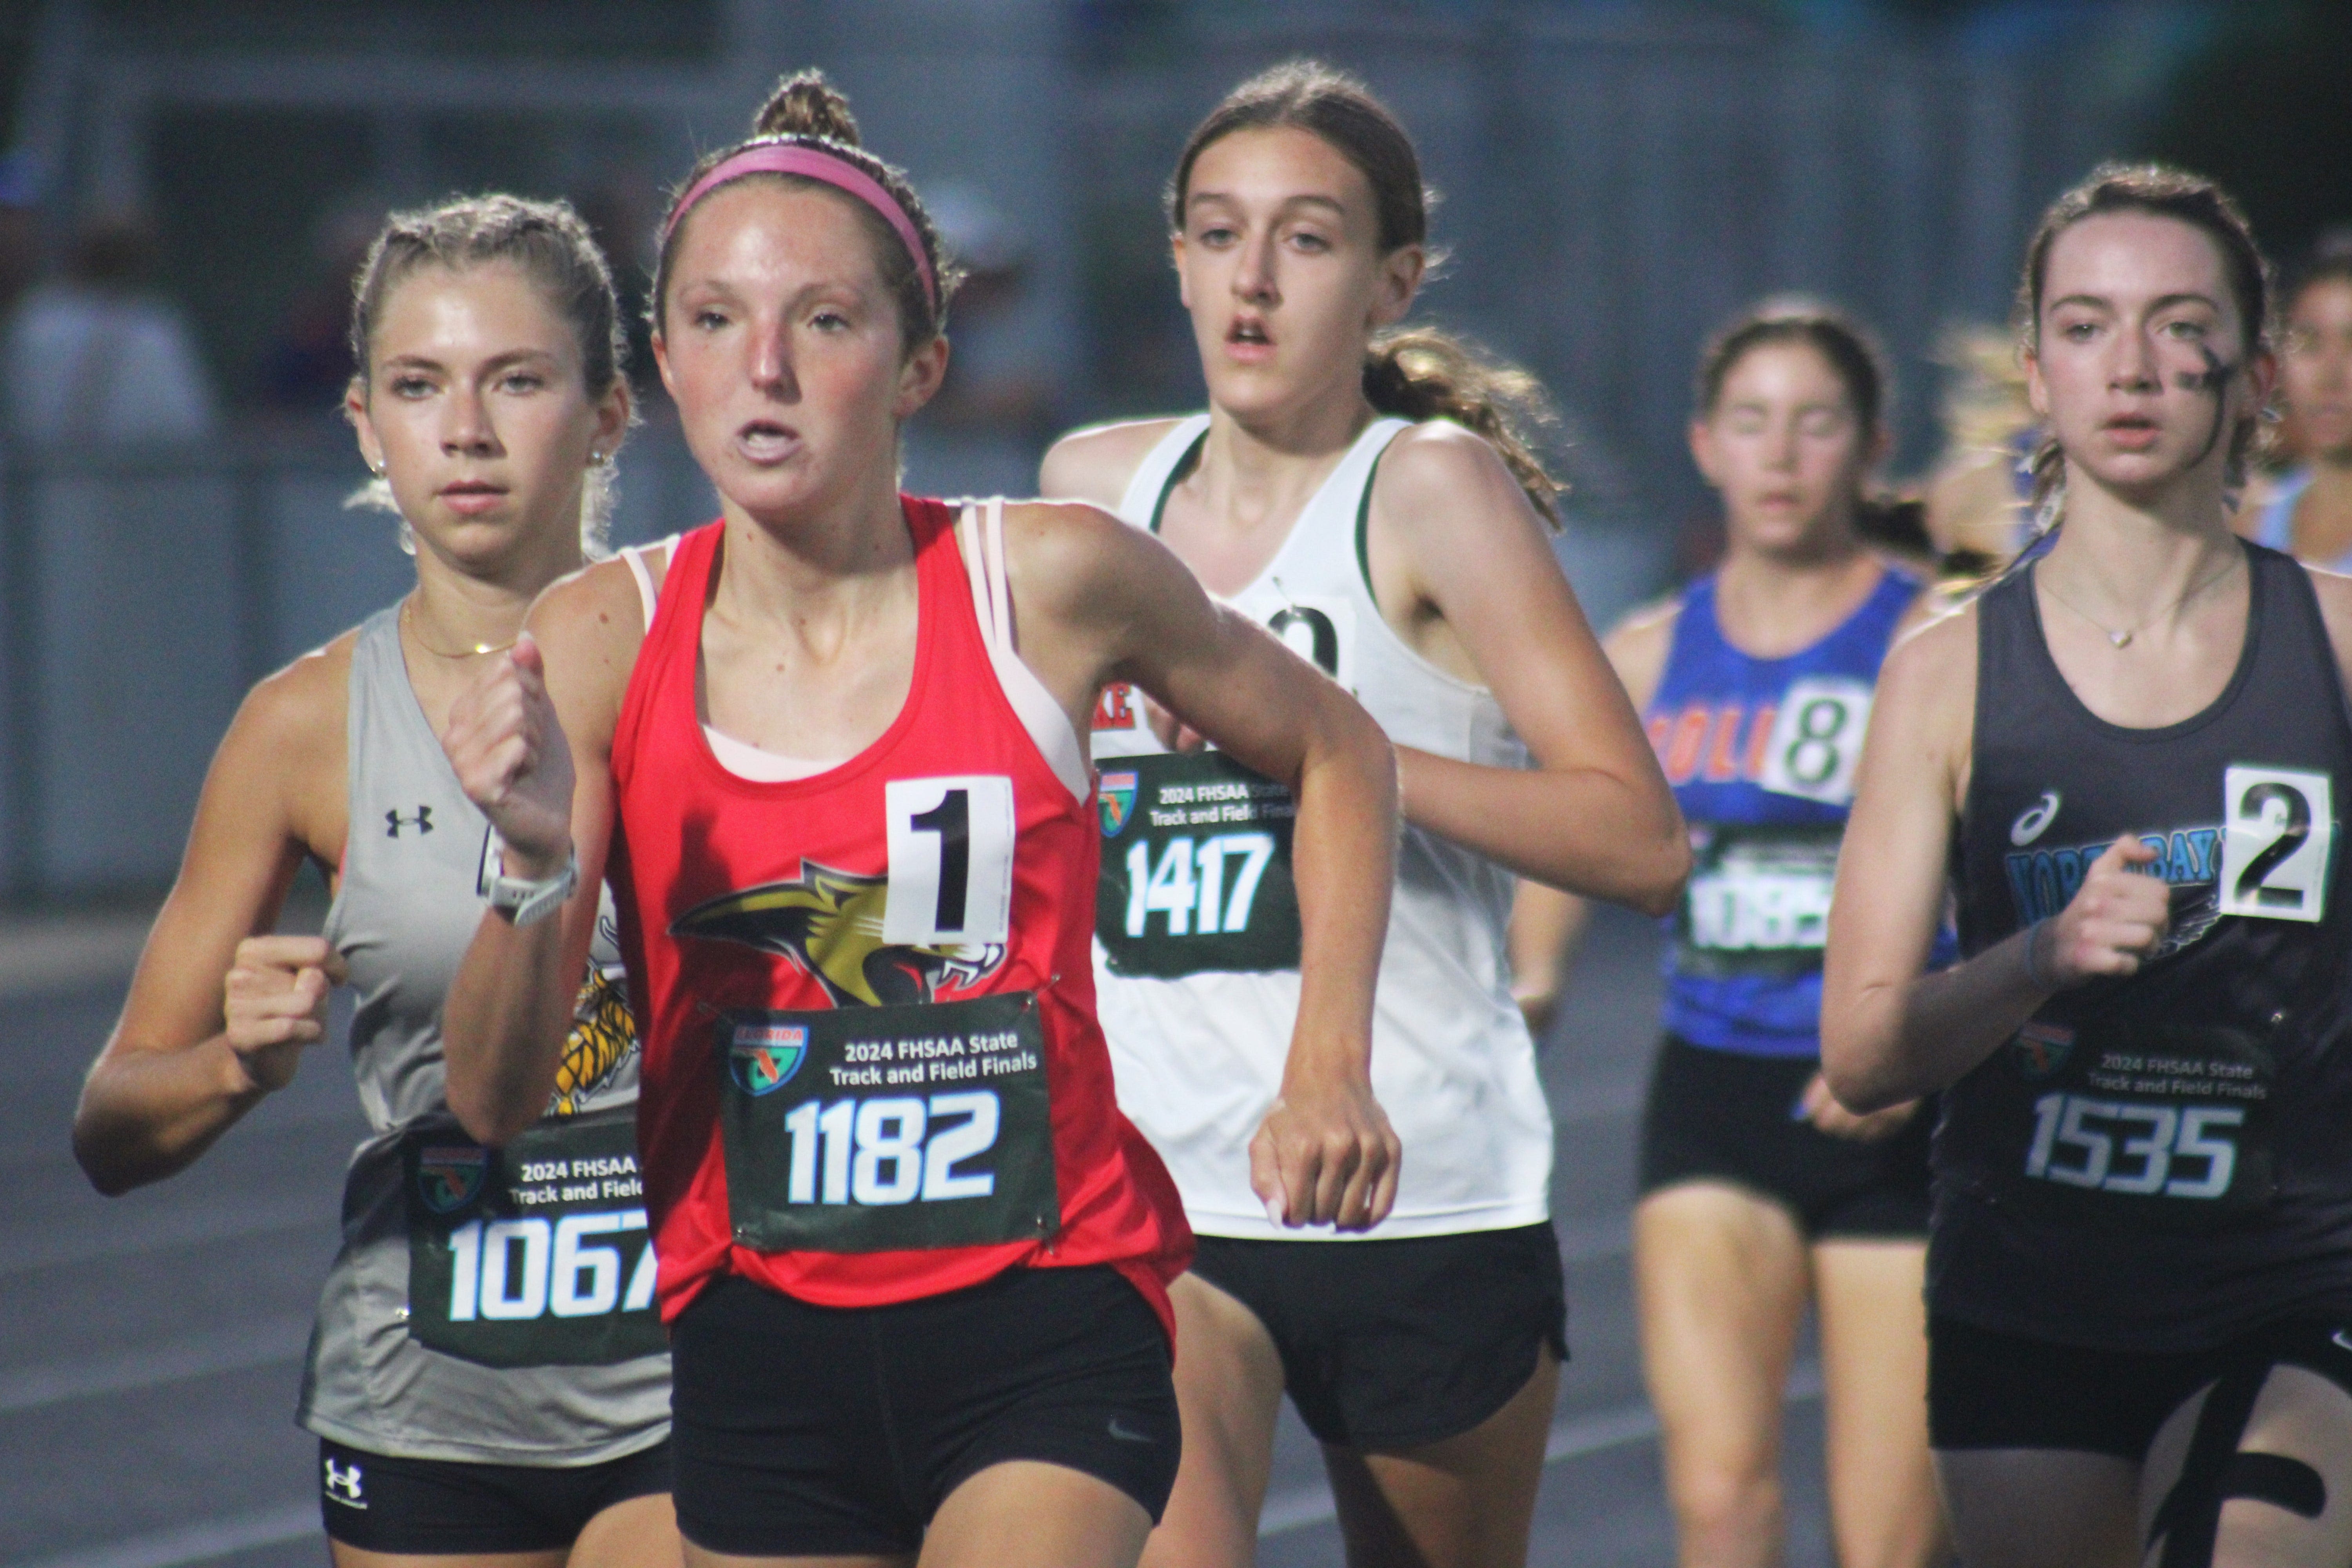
408,614
2123,638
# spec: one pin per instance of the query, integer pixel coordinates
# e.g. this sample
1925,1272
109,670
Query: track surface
152,1342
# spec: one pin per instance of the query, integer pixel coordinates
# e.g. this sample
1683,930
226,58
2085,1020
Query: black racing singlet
2160,1163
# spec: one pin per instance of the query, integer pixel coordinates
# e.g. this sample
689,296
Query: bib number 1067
520,1270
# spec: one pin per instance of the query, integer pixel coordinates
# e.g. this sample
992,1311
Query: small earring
595,459
376,469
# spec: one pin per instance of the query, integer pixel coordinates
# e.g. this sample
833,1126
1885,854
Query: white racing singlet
1196,969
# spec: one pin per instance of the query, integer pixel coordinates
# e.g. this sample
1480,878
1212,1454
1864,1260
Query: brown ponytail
1420,373
1413,372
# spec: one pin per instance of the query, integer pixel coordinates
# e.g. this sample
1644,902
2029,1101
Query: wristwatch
520,900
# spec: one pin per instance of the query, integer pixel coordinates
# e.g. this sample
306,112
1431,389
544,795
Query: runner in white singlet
1365,494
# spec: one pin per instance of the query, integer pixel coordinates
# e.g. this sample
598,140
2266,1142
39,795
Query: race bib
534,1254
1758,901
2278,828
2161,1128
884,1129
1195,867
1816,739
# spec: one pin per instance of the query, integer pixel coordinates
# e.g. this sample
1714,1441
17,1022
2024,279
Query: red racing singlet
872,1067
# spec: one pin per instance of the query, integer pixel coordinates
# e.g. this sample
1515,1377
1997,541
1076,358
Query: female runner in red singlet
913,1258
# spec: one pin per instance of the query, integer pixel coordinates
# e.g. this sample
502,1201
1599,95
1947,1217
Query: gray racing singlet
487,1305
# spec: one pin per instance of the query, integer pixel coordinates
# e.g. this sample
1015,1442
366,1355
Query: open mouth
2134,431
1248,333
765,441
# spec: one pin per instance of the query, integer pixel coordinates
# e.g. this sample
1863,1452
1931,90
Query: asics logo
2034,818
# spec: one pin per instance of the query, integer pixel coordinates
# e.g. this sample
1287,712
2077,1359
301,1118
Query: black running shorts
375,1503
1397,1344
1720,1116
805,1431
1992,1390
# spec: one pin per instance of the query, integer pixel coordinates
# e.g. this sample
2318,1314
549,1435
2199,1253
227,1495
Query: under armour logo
343,1485
393,822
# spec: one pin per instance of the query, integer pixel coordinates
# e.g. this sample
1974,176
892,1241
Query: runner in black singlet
2129,756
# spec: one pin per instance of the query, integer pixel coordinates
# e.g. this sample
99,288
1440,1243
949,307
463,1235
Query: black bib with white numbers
2156,1160
1758,901
1195,866
534,1254
883,1128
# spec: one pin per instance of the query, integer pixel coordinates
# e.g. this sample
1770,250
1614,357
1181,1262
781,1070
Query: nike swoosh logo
2343,1338
1125,1435
2034,818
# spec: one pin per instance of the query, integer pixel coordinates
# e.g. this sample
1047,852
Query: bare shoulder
1639,645
1932,669
304,705
1430,469
1095,464
2334,591
1066,557
589,626
593,609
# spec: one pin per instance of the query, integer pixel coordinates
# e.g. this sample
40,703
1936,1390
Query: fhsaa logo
1114,798
342,1485
448,1178
764,1056
2042,1048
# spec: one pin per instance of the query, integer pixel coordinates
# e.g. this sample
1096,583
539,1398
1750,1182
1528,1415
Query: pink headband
814,164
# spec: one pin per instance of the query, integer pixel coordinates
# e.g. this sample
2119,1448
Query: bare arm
219,1011
1546,923
1093,465
532,742
1101,601
1452,536
1888,1033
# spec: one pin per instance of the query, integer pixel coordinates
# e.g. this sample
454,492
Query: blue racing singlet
1761,755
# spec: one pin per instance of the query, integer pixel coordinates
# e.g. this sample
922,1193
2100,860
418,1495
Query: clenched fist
275,1004
1326,1155
2110,926
511,758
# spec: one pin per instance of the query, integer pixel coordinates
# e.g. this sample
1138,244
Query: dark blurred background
187,185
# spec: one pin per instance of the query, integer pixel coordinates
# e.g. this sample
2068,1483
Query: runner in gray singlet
489,1376
390,1370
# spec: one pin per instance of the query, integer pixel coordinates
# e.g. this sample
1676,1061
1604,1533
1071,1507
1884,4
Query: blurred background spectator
985,431
96,358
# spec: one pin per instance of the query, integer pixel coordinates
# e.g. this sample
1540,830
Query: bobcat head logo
829,922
